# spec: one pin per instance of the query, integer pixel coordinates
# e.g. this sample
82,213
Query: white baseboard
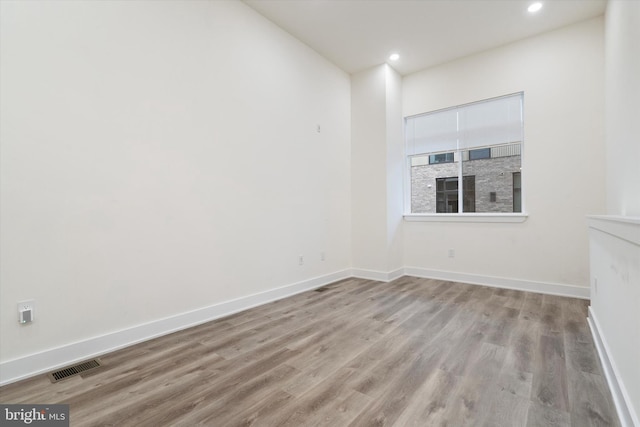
48,360
626,412
377,275
502,282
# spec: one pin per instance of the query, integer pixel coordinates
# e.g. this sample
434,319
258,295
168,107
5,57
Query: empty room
320,212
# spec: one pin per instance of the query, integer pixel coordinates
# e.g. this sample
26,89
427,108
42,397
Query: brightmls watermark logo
34,415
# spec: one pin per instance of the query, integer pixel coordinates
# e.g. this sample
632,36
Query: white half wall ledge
621,399
614,259
623,227
55,358
559,289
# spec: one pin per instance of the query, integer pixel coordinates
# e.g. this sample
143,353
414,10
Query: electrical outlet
322,256
300,260
26,311
452,253
595,285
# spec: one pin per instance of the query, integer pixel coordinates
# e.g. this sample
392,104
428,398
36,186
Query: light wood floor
413,352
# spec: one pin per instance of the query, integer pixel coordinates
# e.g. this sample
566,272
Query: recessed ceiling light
534,7
394,57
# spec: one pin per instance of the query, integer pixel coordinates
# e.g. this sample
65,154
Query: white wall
562,76
160,157
615,238
369,169
376,171
395,169
623,107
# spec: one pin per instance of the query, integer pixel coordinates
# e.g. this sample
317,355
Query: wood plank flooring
412,352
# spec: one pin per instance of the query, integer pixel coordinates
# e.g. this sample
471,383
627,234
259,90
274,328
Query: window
482,153
517,192
447,194
441,158
479,144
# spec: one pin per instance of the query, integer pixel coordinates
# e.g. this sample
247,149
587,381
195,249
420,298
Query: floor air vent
71,371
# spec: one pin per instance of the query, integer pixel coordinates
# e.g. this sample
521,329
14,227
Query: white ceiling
358,34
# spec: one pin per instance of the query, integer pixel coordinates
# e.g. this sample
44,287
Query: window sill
469,217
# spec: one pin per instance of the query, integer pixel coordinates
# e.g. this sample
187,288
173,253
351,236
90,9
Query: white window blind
433,132
490,122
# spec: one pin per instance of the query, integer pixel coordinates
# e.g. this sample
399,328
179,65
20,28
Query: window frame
506,217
